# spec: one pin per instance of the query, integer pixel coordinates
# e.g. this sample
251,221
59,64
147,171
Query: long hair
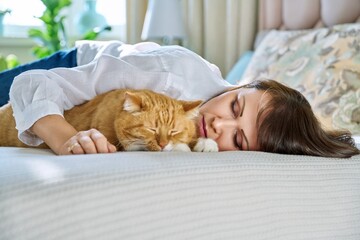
286,124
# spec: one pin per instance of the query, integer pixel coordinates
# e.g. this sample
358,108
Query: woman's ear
132,102
191,108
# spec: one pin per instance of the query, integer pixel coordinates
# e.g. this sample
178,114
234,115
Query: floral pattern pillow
323,64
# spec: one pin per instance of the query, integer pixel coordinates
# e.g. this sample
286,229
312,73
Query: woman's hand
87,142
64,139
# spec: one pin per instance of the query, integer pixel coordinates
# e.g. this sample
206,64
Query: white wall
20,47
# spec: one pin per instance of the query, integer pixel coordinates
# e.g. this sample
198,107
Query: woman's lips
203,127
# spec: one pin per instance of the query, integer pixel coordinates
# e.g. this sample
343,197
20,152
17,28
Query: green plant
54,37
8,62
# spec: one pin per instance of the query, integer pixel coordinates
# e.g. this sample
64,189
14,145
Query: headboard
306,14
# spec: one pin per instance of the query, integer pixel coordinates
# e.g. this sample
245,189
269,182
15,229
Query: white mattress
143,195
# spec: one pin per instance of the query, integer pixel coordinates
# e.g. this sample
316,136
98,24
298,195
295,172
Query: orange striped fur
130,119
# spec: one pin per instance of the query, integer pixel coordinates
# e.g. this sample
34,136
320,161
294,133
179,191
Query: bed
226,195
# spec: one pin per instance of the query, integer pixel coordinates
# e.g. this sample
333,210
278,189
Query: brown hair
286,124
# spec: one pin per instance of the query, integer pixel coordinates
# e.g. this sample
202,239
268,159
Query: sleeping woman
261,116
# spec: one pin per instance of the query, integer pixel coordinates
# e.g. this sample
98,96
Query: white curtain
135,15
218,30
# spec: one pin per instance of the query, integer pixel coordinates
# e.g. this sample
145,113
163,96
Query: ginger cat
132,120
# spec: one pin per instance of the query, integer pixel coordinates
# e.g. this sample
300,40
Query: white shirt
172,70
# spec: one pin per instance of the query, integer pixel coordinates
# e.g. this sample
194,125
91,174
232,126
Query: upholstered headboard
306,14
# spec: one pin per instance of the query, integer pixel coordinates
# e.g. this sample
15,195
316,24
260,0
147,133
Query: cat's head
151,121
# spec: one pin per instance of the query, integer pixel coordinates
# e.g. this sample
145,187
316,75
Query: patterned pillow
323,64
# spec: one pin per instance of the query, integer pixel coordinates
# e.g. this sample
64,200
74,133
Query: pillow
238,69
323,64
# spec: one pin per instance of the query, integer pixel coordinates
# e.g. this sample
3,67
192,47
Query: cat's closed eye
174,132
156,131
152,130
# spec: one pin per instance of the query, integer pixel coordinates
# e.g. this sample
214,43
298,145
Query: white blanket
144,195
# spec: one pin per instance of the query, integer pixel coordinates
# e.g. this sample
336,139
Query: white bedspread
143,195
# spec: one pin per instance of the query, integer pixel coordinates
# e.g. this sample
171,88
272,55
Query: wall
20,47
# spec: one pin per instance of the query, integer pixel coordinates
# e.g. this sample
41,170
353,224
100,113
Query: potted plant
54,36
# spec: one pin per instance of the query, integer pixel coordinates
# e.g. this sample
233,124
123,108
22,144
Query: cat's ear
132,103
191,108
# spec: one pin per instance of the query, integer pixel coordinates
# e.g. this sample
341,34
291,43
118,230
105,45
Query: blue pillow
63,58
238,69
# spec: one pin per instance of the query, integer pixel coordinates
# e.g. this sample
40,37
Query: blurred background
219,30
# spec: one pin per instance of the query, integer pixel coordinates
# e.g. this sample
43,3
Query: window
21,19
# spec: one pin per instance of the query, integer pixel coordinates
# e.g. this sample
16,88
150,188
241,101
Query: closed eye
174,132
236,143
238,111
235,108
152,130
243,107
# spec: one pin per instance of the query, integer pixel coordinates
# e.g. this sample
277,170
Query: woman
262,116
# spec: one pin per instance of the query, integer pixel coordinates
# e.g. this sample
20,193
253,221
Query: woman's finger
71,146
111,147
76,149
86,143
99,140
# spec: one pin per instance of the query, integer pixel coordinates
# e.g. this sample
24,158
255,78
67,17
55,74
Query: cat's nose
163,144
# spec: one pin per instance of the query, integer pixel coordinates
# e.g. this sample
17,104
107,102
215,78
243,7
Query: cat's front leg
177,147
206,145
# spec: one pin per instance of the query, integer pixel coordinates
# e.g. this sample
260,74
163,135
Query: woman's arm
39,98
64,139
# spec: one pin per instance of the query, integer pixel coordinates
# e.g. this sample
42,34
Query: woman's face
230,119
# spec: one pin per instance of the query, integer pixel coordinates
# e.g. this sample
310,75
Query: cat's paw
178,147
206,145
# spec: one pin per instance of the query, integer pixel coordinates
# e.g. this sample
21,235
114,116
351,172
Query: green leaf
41,51
3,64
64,3
47,17
12,61
50,4
94,33
34,32
60,5
39,36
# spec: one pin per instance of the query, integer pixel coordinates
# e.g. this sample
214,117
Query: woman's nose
219,124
